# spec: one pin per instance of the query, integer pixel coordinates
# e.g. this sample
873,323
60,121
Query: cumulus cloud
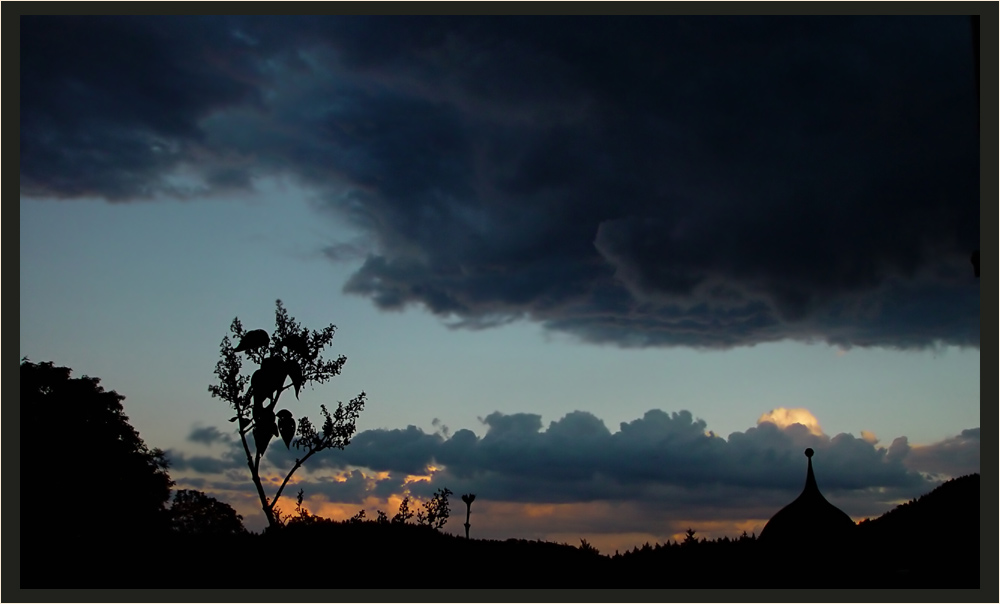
899,448
578,459
352,487
783,418
674,181
662,470
955,456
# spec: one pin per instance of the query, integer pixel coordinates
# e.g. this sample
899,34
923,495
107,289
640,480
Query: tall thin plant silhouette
468,498
290,357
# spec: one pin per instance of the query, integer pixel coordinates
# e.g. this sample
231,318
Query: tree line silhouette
98,510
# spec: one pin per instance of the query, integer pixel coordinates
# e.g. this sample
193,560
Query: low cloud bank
662,465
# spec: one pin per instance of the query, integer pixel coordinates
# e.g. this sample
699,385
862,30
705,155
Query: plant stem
298,464
256,480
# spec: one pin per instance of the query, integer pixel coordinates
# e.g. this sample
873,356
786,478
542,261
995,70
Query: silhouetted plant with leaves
290,354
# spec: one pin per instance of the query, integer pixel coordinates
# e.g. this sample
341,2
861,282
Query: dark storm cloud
111,105
707,182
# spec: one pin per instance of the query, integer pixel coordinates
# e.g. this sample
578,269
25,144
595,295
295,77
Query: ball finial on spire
809,452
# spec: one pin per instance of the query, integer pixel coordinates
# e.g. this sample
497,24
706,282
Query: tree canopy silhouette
290,354
85,472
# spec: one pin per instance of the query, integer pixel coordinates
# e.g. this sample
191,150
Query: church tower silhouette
808,521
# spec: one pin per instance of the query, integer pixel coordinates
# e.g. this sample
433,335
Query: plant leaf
286,427
294,371
252,340
264,428
258,383
267,379
274,369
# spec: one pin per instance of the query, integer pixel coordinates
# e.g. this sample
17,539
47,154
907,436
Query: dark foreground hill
930,542
933,539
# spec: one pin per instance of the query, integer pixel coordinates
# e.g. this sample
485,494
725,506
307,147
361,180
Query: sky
612,275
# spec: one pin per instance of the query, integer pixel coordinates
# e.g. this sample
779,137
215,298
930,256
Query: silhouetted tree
290,354
590,549
689,538
85,472
436,511
404,513
195,513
